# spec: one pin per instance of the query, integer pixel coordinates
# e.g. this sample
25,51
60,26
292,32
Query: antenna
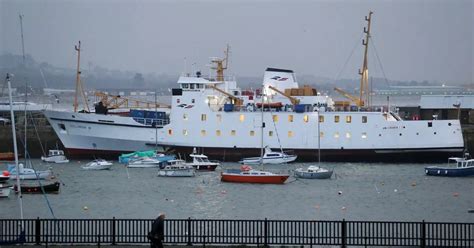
219,67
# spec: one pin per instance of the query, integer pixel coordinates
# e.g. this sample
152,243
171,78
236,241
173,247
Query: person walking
157,234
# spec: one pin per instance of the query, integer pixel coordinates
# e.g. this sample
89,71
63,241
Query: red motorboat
248,175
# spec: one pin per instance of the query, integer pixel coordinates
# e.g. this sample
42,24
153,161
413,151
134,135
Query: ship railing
152,121
208,77
260,232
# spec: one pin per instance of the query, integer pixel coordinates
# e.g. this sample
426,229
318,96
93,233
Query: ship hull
439,155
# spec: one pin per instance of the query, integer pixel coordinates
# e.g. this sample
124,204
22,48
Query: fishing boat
212,112
247,174
48,187
176,168
313,172
202,163
464,167
55,156
27,173
270,157
98,164
4,190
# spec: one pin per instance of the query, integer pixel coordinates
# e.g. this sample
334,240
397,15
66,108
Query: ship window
364,119
348,119
178,101
336,118
218,132
348,135
290,118
185,132
364,135
193,101
203,132
219,117
184,86
62,126
242,118
290,134
430,124
191,86
305,118
203,117
170,132
232,132
336,135
252,133
321,118
321,134
185,117
275,118
270,133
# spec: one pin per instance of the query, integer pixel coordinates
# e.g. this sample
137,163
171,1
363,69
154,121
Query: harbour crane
357,101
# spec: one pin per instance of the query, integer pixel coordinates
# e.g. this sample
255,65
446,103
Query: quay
230,232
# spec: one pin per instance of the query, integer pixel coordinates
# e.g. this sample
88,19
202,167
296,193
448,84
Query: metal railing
250,232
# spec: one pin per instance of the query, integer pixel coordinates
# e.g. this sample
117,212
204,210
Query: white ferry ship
228,126
228,123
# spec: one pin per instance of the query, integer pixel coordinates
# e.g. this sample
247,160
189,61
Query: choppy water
369,192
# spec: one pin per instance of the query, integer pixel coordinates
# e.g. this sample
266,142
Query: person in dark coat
157,234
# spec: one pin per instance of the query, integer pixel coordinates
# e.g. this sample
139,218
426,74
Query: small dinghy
313,172
98,164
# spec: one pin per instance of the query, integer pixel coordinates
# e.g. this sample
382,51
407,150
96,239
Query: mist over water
396,192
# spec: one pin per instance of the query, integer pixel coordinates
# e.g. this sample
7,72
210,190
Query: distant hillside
41,74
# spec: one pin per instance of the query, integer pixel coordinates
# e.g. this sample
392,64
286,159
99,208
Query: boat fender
455,194
339,192
85,208
6,173
446,172
395,190
343,208
439,171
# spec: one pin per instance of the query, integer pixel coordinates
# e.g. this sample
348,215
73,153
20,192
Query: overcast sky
415,40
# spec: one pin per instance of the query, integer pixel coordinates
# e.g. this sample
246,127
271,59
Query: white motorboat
4,176
98,164
144,162
177,168
27,173
55,156
202,163
5,190
270,157
313,172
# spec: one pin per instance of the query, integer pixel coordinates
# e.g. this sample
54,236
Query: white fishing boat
4,176
98,164
27,173
202,163
144,162
55,156
270,157
212,112
177,168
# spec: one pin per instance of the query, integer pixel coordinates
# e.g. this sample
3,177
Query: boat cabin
55,153
200,158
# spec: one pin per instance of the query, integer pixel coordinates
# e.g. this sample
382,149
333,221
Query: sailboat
247,174
314,171
21,237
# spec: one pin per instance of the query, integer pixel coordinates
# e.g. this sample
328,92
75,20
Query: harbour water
357,191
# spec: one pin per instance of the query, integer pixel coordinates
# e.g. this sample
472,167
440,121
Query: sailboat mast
319,137
364,73
15,149
262,126
25,145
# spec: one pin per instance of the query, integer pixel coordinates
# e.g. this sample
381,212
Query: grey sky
415,40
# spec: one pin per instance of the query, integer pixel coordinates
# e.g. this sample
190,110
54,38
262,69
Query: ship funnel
281,79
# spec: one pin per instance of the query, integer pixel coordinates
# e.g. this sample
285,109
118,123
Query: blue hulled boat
464,168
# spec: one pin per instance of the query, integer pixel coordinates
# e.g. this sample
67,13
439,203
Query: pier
260,233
